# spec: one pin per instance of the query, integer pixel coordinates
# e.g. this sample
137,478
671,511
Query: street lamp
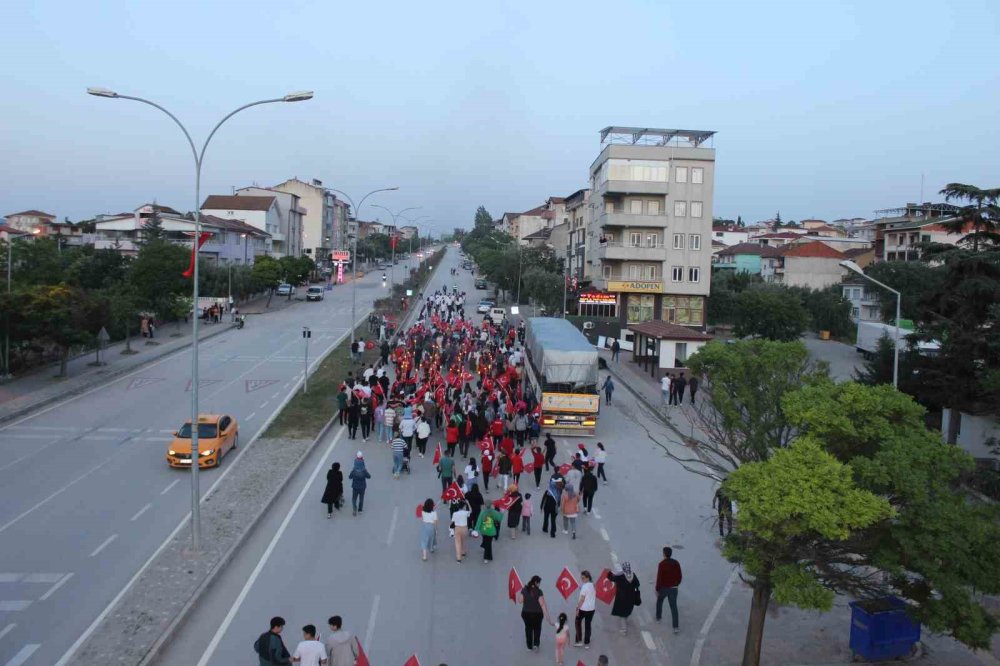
199,158
420,239
354,253
851,266
392,266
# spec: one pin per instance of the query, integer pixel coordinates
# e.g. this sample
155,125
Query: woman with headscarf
514,512
550,507
334,491
626,593
476,501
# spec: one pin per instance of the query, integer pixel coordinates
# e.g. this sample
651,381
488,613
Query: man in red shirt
668,578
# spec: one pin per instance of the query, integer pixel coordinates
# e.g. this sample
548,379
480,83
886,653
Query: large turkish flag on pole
566,584
514,584
605,588
453,493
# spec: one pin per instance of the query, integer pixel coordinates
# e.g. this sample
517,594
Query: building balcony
626,251
631,220
632,187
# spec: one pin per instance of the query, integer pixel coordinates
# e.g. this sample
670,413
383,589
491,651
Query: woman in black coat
353,417
626,594
476,501
514,512
333,494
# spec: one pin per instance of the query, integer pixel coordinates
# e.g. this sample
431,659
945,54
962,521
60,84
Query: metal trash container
881,629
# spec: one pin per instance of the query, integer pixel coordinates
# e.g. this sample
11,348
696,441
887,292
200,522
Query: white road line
107,542
99,438
24,654
263,404
250,416
275,394
140,512
214,644
14,605
61,428
54,588
604,534
47,578
10,577
647,638
392,526
371,624
287,385
614,558
157,439
172,484
6,630
56,493
707,626
15,435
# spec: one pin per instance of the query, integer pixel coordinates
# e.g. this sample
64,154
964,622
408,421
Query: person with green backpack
488,527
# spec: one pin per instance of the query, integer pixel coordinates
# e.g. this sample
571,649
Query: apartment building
899,232
260,212
813,264
322,229
287,238
577,211
652,192
29,220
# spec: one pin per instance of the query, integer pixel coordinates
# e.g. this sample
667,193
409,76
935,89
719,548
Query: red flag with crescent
529,467
605,588
453,493
204,236
566,584
412,661
437,454
514,585
505,502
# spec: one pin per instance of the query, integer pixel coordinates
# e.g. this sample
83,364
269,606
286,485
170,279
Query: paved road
85,494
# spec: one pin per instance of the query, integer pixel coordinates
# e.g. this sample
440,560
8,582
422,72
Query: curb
103,379
641,398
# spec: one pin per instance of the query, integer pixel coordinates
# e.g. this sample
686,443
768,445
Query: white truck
870,332
561,366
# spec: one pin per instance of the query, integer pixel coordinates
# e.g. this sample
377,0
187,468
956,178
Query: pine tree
483,219
152,229
739,221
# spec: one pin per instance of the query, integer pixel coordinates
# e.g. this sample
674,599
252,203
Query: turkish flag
437,454
514,585
566,584
420,510
564,469
452,493
505,502
605,588
529,467
362,657
392,243
412,661
204,236
486,446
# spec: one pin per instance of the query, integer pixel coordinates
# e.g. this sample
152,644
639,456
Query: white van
496,315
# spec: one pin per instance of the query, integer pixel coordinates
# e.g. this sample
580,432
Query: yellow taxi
217,435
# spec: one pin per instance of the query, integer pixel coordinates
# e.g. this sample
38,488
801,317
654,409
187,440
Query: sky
823,109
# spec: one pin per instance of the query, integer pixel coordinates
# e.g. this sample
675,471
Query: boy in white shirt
309,652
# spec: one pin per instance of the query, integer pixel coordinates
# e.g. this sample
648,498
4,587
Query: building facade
29,220
814,265
260,212
652,192
287,241
322,230
577,207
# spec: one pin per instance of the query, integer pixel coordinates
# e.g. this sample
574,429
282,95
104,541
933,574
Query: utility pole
306,334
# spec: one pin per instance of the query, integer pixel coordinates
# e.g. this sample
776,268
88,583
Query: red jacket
451,434
517,464
539,458
668,574
486,464
496,428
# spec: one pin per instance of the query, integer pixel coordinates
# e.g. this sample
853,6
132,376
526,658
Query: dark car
481,284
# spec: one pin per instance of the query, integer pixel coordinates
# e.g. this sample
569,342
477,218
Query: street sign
306,333
102,336
340,255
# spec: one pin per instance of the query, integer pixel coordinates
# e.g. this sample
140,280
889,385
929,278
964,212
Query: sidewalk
40,387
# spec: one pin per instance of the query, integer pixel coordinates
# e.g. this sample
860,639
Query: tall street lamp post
199,157
354,253
851,266
392,244
420,239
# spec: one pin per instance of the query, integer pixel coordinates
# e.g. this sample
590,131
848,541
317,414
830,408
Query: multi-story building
577,206
899,232
322,229
814,264
653,194
730,234
287,239
864,298
29,220
260,212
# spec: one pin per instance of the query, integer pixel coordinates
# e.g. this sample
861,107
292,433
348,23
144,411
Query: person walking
488,527
680,383
353,417
423,432
538,461
668,579
428,529
446,470
527,510
451,436
588,488
517,466
460,523
570,510
309,651
550,505
342,405
586,606
389,418
378,414
341,647
665,388
270,648
693,387
550,451
367,418
476,502
562,638
471,472
398,446
673,391
505,467
359,484
601,457
407,427
514,512
724,505
616,349
626,593
520,427
486,463
533,611
333,494
608,387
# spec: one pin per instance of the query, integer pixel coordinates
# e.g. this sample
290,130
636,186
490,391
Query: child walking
562,638
527,510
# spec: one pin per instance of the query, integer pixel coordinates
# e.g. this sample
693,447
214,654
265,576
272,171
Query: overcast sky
823,109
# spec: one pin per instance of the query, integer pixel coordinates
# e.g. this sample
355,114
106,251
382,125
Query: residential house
813,264
812,224
260,212
322,229
862,256
741,258
777,238
864,298
841,244
558,240
578,212
533,220
408,232
30,220
660,347
8,232
730,234
900,231
287,239
824,230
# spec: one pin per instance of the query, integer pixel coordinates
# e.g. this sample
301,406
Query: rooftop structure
651,136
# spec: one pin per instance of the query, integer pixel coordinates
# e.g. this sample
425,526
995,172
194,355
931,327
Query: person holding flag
514,510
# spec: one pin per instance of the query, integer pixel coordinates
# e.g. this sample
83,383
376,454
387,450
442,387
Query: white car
484,306
285,290
314,293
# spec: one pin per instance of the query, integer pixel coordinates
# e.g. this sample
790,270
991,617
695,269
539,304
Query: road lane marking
15,435
140,512
12,606
263,404
250,416
392,525
24,654
371,624
10,577
214,644
596,514
157,439
707,626
604,535
55,494
47,578
107,542
6,630
172,484
647,638
39,427
54,588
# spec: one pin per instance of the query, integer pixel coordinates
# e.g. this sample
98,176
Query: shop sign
598,298
636,286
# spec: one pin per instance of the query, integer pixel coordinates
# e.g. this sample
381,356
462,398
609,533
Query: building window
652,240
694,274
653,207
678,241
680,353
694,241
696,209
634,272
855,312
635,206
681,175
677,273
606,271
649,272
697,175
636,239
640,308
680,208
685,310
609,206
595,310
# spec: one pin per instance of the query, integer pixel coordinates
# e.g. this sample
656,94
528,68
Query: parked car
285,289
485,305
315,293
217,435
496,315
481,284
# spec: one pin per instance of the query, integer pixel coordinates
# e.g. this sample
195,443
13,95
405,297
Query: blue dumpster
881,629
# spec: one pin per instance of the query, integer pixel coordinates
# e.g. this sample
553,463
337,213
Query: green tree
483,219
791,505
37,261
769,312
157,275
915,280
62,316
981,212
93,269
545,287
267,274
123,299
739,221
829,311
726,288
777,220
152,228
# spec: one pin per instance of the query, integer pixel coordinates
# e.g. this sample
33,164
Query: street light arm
194,150
881,284
227,117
